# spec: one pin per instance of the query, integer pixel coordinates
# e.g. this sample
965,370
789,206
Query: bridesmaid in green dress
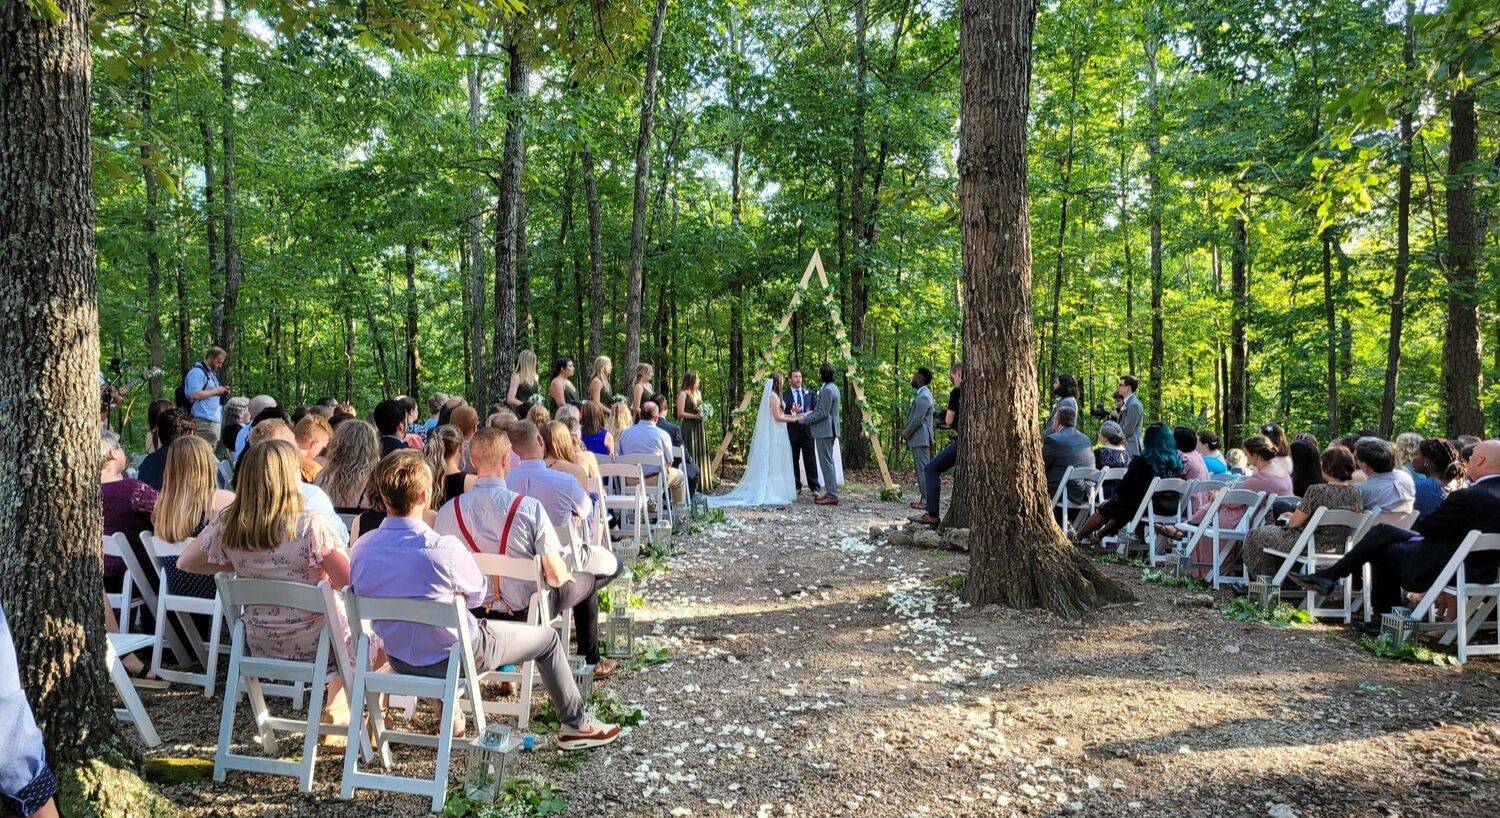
523,384
561,389
689,404
600,390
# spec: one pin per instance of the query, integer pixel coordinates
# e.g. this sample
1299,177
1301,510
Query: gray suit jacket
918,429
1131,414
823,420
1061,449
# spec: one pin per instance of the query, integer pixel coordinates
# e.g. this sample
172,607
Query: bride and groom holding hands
792,421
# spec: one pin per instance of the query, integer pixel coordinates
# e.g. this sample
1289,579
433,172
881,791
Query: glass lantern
700,506
583,677
1400,625
619,635
1265,592
619,592
491,756
1182,564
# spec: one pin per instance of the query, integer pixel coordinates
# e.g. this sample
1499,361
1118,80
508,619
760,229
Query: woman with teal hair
1158,458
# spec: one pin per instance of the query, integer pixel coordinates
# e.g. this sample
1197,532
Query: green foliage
650,656
1387,648
606,704
892,494
1283,614
1116,559
1157,576
527,796
607,601
648,565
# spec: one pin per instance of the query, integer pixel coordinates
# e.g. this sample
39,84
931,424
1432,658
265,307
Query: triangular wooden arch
814,265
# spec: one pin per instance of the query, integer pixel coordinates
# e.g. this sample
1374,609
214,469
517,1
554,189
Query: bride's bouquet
707,411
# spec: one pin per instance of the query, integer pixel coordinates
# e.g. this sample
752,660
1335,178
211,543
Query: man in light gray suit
918,430
1065,446
823,423
1131,414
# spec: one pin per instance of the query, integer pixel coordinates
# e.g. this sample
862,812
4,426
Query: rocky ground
815,673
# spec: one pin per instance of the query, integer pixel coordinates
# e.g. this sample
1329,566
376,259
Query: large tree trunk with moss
1019,556
51,571
1461,353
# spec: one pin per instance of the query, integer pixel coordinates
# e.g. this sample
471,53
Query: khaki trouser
676,484
208,430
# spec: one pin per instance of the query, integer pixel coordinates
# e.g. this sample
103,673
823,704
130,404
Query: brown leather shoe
925,519
606,668
918,505
827,500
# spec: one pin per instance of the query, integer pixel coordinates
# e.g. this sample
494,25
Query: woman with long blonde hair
523,383
190,498
619,420
266,533
352,455
640,387
600,389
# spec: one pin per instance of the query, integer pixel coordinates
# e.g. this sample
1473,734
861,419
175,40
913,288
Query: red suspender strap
458,512
510,517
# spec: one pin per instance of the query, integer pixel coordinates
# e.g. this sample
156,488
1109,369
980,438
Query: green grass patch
1283,614
1116,559
1387,648
890,494
1156,576
528,796
953,582
607,600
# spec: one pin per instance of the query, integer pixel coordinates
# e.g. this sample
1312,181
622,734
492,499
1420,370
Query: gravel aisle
815,674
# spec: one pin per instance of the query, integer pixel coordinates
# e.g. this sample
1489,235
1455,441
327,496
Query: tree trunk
211,218
413,357
1019,557
1075,66
525,325
737,378
638,205
596,254
564,235
150,177
1403,235
1462,369
231,243
508,220
51,582
1239,344
477,375
1153,205
1332,328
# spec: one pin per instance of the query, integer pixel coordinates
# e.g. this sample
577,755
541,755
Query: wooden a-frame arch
814,265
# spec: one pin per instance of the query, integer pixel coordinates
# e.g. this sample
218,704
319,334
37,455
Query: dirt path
816,674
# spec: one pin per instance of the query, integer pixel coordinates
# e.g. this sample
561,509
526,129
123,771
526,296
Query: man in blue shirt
26,783
201,386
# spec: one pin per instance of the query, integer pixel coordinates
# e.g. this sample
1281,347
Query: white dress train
768,479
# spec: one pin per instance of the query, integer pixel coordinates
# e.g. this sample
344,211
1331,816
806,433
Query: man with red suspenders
492,519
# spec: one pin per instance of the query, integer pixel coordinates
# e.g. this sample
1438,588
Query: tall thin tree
637,268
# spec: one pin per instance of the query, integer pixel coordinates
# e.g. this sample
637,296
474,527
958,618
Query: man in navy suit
1413,559
804,457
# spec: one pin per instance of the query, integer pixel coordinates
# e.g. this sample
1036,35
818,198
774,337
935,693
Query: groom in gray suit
918,429
823,424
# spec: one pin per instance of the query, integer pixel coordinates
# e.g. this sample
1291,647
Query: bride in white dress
768,478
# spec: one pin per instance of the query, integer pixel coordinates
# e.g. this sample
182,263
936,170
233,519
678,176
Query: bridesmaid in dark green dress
561,390
689,406
523,384
600,390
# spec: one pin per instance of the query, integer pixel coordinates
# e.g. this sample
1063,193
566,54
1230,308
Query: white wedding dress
768,479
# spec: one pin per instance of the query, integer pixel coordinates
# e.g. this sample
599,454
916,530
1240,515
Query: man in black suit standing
689,468
798,399
1413,559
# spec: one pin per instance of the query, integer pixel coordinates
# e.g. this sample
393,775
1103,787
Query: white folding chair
625,488
1220,536
1304,552
127,601
248,671
1476,602
538,612
1399,519
226,474
1147,513
656,489
347,519
1062,500
142,575
181,606
124,644
369,685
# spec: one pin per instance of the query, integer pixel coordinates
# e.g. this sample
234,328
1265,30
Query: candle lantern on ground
583,676
620,591
1182,563
619,635
491,758
1399,625
1265,592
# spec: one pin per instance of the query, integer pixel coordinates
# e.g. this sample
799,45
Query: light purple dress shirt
406,559
559,492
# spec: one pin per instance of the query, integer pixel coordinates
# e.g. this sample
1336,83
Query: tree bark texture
508,219
1403,235
474,242
231,241
596,253
1462,367
639,203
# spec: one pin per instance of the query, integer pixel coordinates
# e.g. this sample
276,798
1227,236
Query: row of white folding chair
1146,517
247,671
1219,535
1475,602
658,489
1068,511
128,602
625,494
1305,557
538,612
182,607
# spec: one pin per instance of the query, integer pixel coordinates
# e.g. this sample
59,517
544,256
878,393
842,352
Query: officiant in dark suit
804,456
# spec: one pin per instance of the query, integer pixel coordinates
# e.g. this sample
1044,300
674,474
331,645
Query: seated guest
390,422
568,410
1109,450
1158,458
127,503
596,437
1213,459
405,558
1237,462
1193,467
313,435
352,455
1307,466
1385,487
236,413
539,415
500,419
415,439
434,406
314,499
190,498
445,447
561,453
619,418
1063,448
152,413
466,420
561,494
1406,445
258,404
1413,559
170,425
1276,436
265,533
674,434
1439,471
1267,477
1335,491
645,438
